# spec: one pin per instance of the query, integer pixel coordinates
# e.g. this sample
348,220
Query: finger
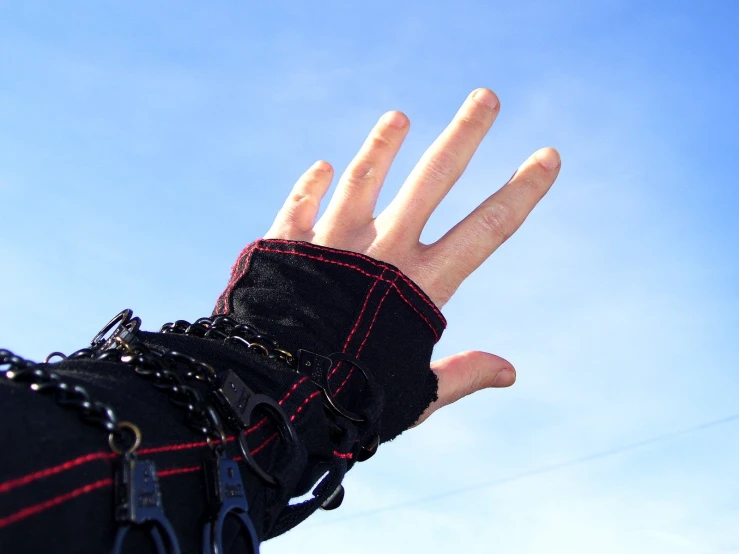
476,237
462,374
298,214
356,194
441,166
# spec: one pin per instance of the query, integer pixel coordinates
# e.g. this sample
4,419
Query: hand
393,236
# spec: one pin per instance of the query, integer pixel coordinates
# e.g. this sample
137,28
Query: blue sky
141,146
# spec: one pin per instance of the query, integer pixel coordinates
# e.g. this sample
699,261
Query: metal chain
316,367
19,370
224,328
161,369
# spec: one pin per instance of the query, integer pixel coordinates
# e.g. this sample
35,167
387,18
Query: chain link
161,369
224,328
74,397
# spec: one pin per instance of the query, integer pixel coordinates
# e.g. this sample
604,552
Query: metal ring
329,393
258,346
288,357
125,345
216,424
136,441
122,318
55,355
220,445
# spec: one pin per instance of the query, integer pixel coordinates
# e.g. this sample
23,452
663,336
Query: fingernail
320,165
395,119
486,97
549,158
504,378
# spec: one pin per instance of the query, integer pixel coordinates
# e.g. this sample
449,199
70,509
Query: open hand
394,235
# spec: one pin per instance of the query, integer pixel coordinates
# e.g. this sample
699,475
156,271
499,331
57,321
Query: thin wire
534,472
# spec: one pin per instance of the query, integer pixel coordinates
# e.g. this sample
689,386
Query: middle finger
441,166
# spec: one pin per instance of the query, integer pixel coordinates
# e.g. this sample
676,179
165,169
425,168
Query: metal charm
139,503
227,496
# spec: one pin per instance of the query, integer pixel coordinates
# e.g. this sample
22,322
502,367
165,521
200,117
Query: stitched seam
292,418
236,274
178,471
235,277
60,499
360,270
343,455
20,481
284,398
359,320
366,336
32,510
372,261
26,479
36,508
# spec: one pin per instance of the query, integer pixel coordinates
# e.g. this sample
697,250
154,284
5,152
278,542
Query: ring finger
354,201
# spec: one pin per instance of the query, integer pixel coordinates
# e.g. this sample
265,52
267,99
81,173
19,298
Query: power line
534,472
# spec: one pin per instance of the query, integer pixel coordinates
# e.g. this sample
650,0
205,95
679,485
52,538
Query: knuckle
443,164
361,172
473,120
380,141
497,220
300,198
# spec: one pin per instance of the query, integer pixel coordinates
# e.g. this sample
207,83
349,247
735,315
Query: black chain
314,366
161,369
19,370
133,477
222,327
227,397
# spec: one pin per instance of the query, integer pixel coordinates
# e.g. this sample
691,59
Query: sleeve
360,334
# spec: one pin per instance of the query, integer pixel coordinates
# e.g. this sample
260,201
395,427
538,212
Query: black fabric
56,472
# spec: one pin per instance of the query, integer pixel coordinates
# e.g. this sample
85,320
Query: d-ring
136,440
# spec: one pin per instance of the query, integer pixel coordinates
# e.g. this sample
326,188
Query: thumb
467,372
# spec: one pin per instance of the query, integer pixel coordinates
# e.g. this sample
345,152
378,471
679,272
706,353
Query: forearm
307,298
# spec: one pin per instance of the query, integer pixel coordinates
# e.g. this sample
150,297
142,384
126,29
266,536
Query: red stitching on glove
376,263
366,336
178,471
359,320
36,508
20,481
246,256
26,479
292,418
360,270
